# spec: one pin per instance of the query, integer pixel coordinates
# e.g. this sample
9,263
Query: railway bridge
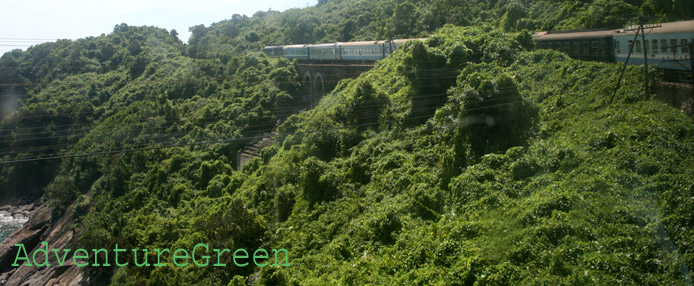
320,77
317,79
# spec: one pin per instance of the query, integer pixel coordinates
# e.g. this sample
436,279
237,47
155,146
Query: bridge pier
318,89
307,84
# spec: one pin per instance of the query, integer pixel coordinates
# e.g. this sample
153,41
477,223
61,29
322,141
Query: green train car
591,45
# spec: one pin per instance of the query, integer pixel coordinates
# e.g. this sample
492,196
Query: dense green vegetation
332,21
584,196
468,159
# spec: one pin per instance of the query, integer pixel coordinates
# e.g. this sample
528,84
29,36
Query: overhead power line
366,114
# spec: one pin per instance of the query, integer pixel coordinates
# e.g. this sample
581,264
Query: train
667,45
346,51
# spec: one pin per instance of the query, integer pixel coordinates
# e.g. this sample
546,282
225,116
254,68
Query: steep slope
592,194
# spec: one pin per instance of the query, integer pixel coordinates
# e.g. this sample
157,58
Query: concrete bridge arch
319,78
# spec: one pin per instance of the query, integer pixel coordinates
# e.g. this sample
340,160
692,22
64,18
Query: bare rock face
38,229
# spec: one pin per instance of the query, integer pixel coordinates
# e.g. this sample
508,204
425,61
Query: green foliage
465,158
457,199
494,116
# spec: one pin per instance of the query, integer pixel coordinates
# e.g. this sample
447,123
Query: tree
348,30
514,12
404,18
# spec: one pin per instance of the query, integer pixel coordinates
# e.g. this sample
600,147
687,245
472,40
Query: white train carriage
666,45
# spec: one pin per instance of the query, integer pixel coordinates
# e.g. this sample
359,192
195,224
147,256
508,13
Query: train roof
583,34
295,46
395,41
663,28
361,43
324,45
402,41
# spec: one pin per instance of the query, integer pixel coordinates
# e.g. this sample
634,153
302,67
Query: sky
27,22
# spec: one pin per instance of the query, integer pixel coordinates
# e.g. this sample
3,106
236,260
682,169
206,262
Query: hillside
468,159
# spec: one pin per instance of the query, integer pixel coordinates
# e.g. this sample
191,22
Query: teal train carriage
299,52
273,51
324,51
347,51
362,51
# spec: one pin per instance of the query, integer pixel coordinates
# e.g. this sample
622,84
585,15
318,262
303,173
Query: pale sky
27,22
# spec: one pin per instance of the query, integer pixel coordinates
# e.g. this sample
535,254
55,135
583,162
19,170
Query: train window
602,47
542,45
551,46
638,46
685,49
631,45
673,43
663,46
567,47
616,46
655,47
576,48
645,46
594,46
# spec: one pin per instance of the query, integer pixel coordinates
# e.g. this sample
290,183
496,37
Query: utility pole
691,64
619,82
645,59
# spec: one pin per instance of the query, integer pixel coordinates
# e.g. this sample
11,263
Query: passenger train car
347,51
666,44
356,51
299,52
594,45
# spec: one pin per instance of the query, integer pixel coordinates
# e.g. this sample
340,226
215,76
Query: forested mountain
332,21
467,159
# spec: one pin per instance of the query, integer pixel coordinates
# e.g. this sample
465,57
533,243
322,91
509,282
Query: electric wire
377,122
22,137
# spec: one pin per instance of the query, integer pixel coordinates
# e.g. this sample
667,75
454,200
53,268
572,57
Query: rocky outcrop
19,212
37,229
